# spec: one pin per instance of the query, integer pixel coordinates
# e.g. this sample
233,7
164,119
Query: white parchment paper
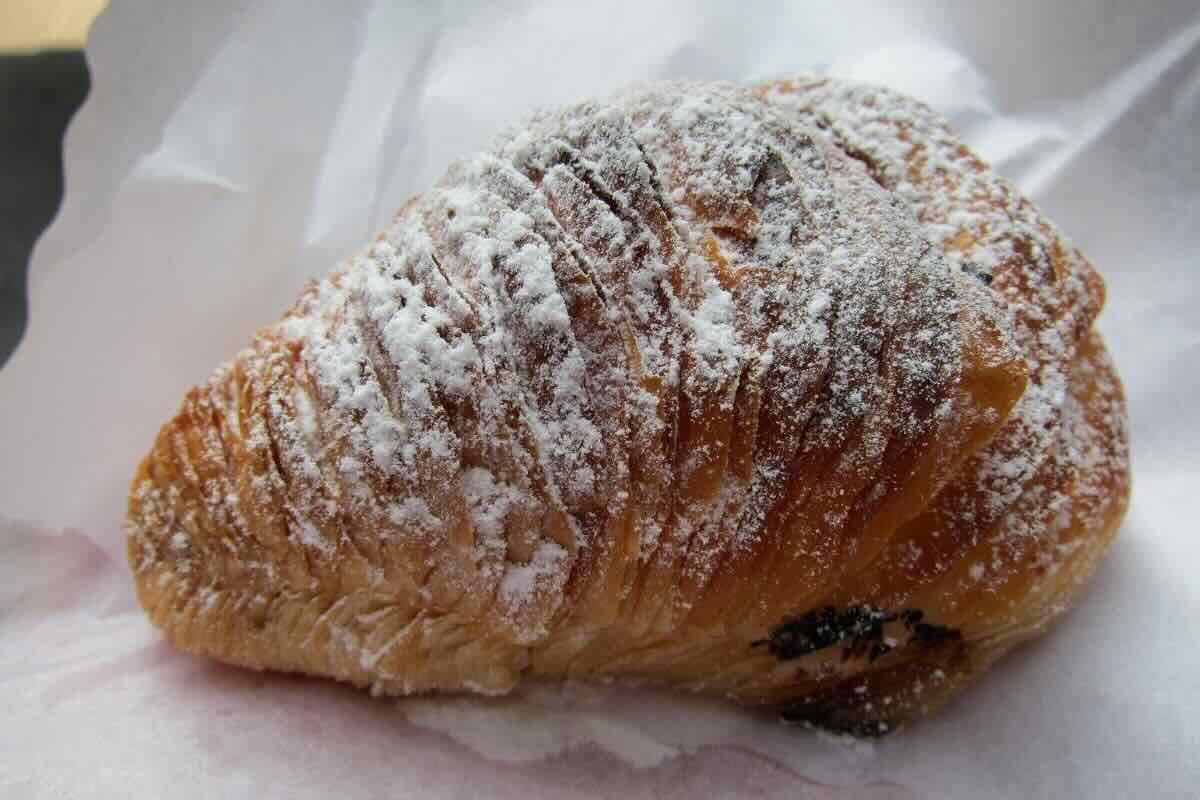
231,149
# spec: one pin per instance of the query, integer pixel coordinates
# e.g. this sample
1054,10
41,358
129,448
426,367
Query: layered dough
775,392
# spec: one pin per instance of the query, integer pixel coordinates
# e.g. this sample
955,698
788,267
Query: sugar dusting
986,227
609,275
633,343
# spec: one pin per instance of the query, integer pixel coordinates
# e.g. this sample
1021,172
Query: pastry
775,392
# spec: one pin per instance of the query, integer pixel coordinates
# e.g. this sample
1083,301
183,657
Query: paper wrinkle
1098,112
523,729
382,91
204,140
229,153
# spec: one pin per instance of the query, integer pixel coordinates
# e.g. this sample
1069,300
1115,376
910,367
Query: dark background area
38,95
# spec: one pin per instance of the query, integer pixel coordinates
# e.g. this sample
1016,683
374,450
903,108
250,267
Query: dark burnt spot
859,629
801,635
829,718
924,633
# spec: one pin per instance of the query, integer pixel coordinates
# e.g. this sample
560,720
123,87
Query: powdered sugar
522,581
596,293
634,351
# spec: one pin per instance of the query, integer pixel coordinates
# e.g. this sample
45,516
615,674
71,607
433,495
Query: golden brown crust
773,392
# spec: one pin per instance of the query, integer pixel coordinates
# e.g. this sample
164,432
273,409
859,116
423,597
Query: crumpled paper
232,149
